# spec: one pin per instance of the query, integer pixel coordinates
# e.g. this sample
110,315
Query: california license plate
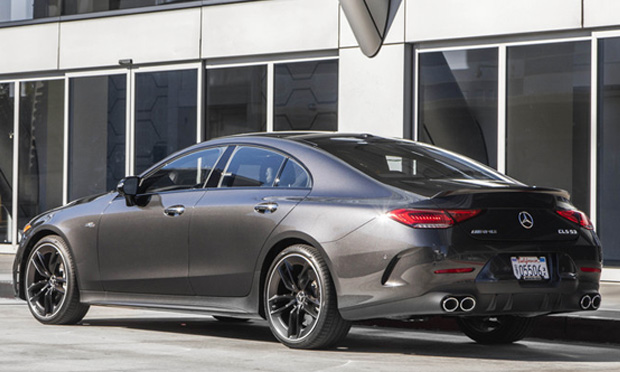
530,268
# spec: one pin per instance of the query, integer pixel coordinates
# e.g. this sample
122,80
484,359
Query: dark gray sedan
313,231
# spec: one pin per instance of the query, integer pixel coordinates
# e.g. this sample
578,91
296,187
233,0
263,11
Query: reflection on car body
313,231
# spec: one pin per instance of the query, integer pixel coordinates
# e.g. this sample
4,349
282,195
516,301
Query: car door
143,248
232,221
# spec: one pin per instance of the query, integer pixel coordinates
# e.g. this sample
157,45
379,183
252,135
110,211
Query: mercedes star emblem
526,220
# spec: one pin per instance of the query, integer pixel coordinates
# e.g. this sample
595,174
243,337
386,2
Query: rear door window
253,167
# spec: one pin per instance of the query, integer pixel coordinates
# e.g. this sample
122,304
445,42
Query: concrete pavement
602,326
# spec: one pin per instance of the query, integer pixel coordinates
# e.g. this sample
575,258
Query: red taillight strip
459,270
577,217
591,270
432,218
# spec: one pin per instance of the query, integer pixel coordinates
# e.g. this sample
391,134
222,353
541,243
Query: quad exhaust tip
590,302
451,304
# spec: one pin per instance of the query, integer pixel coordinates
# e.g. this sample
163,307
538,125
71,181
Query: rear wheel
300,300
496,330
51,284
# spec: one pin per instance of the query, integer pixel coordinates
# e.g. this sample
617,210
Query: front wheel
504,329
300,300
51,284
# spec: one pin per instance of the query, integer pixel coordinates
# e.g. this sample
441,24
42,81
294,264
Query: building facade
91,91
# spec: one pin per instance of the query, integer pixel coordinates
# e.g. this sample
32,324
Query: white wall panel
371,90
149,37
396,32
274,26
598,13
451,19
29,48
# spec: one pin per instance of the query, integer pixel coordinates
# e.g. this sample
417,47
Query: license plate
530,268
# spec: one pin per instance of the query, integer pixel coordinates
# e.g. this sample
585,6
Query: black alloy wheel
50,283
503,329
300,300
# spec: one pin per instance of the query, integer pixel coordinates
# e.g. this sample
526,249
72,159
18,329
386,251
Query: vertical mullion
15,194
502,71
270,96
416,93
65,145
130,124
200,105
593,130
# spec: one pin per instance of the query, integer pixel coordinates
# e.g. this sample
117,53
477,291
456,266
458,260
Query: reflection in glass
91,6
7,103
458,102
306,96
41,112
165,114
608,153
548,117
18,10
96,134
236,101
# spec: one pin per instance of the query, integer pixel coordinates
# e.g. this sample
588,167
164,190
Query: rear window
403,163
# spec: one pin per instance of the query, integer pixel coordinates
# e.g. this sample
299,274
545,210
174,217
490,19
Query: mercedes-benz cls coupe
313,231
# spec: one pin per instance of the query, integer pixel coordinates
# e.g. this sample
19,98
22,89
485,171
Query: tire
504,329
51,285
300,300
228,319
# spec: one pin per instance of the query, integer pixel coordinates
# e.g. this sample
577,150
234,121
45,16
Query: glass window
406,165
608,152
293,176
96,134
458,102
236,101
165,114
17,10
548,117
90,6
7,104
252,167
41,116
306,96
189,171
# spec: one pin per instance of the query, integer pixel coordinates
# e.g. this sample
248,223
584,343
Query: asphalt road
113,339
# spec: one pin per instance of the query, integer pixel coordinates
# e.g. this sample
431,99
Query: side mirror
128,187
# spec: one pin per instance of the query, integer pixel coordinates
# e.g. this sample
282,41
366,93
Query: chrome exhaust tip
585,302
449,304
596,301
468,304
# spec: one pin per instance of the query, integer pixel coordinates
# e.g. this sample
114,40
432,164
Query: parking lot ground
116,339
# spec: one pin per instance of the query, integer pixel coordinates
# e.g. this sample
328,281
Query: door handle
174,211
264,208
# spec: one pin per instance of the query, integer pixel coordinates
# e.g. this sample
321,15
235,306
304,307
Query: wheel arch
29,246
271,254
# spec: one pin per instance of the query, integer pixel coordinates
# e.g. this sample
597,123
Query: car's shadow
365,339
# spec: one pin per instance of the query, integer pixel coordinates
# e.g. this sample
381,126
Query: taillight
432,219
577,217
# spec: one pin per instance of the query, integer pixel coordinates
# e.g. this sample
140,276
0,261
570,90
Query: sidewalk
601,326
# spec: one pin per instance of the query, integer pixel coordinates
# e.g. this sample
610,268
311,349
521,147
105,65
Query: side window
252,167
186,172
293,176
